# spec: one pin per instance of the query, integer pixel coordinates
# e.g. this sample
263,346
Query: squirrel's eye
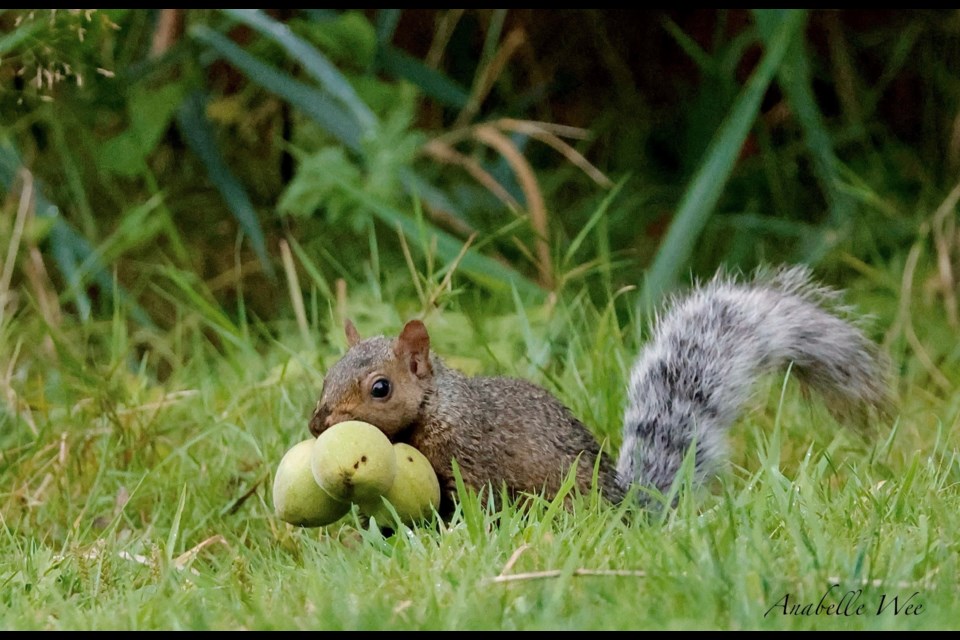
380,388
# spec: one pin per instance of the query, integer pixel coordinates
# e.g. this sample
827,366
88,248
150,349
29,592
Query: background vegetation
194,200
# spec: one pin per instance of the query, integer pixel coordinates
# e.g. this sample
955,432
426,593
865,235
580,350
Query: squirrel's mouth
402,434
318,421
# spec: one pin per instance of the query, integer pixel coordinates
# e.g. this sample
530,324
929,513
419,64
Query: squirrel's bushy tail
707,351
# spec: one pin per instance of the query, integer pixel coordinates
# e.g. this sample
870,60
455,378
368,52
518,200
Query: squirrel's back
509,431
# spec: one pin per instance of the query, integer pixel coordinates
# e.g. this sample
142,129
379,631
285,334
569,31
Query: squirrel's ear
352,336
413,347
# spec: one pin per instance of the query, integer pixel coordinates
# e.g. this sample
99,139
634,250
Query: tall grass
195,131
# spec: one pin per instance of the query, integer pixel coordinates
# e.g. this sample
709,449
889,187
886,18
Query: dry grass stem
445,153
296,295
489,75
572,155
531,191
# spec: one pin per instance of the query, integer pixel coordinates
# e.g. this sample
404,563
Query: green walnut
353,461
297,498
415,492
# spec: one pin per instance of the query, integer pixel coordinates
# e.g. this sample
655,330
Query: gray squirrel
687,386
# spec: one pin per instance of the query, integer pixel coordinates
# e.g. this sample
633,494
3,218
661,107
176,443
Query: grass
135,501
137,456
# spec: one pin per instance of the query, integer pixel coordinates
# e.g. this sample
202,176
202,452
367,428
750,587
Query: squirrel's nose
320,420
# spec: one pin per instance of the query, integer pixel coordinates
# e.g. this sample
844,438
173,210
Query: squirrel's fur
688,384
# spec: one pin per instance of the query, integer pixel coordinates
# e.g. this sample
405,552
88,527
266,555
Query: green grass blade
418,187
469,503
704,190
63,245
899,56
139,225
70,250
314,62
690,47
311,269
175,526
400,64
82,250
491,39
591,223
212,314
386,24
74,181
795,79
315,103
433,83
197,132
19,35
483,270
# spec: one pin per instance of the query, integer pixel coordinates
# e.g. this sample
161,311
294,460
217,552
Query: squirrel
688,384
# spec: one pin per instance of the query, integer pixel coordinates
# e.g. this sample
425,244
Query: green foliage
195,128
51,47
326,175
316,184
150,112
347,38
185,226
706,186
316,123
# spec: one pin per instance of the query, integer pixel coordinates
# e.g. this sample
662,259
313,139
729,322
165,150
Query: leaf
150,114
387,20
151,111
121,155
317,183
10,41
431,82
199,136
393,149
348,39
